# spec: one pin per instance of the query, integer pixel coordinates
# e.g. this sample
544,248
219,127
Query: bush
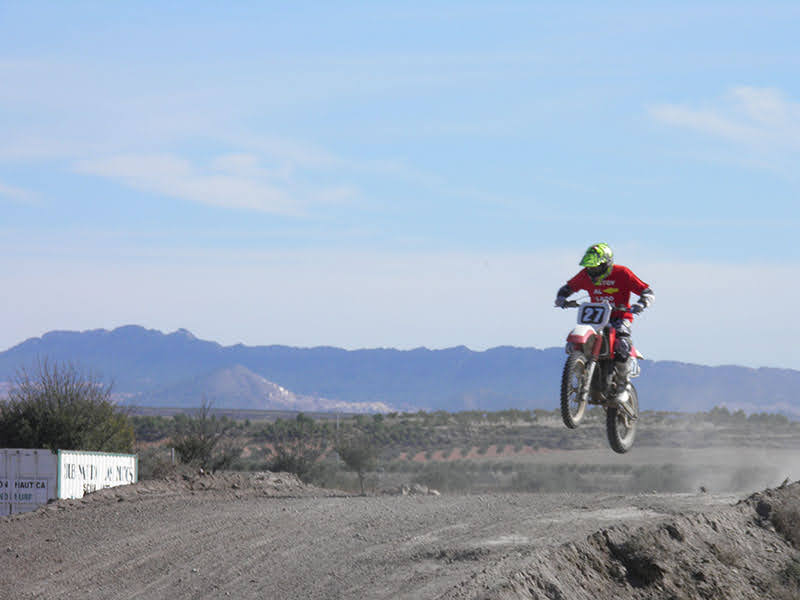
791,573
152,428
155,463
59,408
359,453
298,445
785,516
201,439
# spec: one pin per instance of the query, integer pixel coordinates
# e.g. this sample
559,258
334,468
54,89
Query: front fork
591,365
588,374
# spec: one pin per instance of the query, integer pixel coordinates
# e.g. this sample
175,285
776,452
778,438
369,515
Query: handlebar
575,304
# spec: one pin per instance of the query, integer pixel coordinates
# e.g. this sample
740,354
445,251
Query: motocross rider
613,283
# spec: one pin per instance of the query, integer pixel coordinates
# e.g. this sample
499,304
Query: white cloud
231,182
16,194
762,120
139,126
243,164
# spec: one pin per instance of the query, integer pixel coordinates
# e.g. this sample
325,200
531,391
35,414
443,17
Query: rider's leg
622,353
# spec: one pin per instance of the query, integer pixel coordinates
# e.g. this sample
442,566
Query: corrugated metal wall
83,472
28,479
31,477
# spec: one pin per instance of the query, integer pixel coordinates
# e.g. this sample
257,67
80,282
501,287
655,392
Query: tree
359,453
60,408
201,439
297,445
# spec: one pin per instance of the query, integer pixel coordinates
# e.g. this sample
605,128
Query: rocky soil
742,552
267,535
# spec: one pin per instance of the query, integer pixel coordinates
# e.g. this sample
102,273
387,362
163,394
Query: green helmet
598,260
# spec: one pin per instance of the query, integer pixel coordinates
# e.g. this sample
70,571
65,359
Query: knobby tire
620,437
574,368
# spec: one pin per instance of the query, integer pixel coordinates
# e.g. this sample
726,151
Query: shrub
791,573
155,463
785,516
152,428
58,407
359,453
298,445
201,439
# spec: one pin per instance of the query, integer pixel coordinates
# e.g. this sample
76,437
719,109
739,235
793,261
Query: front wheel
573,404
621,428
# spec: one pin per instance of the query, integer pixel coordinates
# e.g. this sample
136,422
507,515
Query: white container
32,477
83,472
28,479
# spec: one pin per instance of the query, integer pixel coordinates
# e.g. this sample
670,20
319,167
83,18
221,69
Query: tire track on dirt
213,544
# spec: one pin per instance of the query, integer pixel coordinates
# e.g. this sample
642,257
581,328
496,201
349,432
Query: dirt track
239,537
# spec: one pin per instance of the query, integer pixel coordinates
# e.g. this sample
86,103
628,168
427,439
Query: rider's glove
637,308
561,301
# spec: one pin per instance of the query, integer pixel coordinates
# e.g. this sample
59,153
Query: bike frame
589,345
598,346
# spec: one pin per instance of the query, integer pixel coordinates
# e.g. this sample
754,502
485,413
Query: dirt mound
267,535
264,483
744,552
233,485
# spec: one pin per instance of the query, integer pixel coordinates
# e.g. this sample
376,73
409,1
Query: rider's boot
622,397
621,378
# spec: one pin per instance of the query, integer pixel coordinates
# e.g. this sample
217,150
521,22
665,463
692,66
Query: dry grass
785,516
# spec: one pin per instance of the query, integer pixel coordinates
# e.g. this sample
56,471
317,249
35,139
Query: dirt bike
589,375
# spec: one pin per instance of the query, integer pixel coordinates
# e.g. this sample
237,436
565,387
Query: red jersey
616,288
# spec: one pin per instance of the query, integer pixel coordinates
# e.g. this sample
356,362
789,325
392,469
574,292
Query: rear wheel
573,406
621,427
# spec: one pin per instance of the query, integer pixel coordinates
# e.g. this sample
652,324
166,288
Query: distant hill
238,387
155,369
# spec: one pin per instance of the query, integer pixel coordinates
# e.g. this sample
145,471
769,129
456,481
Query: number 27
592,314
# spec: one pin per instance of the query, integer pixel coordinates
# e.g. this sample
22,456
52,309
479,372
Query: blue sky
400,174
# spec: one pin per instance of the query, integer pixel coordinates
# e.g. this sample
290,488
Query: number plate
595,314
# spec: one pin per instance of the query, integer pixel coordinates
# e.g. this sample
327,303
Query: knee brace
622,348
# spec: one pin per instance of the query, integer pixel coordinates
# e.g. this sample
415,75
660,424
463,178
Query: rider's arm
646,298
561,295
640,288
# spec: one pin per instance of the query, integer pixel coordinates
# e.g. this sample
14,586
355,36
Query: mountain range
151,368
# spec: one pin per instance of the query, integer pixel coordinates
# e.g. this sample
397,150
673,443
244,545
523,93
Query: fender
581,334
635,353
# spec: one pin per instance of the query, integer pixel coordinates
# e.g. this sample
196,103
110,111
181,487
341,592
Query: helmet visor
598,271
